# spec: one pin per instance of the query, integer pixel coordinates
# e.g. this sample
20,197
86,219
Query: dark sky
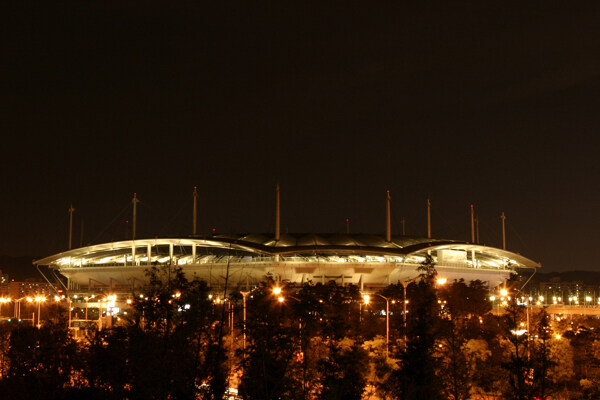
494,104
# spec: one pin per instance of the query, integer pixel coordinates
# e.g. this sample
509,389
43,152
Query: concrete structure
369,261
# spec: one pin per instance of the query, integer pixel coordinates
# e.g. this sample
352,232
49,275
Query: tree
416,378
105,367
271,345
344,371
175,345
454,372
42,363
517,364
541,360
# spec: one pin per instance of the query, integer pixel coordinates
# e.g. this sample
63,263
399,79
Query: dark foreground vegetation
318,341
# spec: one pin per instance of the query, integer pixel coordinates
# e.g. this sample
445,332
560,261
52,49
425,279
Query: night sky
494,104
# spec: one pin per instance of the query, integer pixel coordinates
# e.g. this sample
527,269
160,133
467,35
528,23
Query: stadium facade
370,261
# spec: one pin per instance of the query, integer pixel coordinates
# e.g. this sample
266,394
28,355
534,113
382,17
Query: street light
2,301
39,300
17,311
405,286
87,299
387,324
366,299
244,295
281,299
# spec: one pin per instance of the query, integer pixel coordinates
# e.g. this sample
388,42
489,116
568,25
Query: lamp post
244,295
17,312
366,299
38,300
87,299
281,299
405,302
2,301
387,324
70,309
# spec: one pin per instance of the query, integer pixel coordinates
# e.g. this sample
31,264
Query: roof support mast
195,222
277,213
503,218
428,219
195,212
473,236
134,201
477,228
472,224
388,219
71,210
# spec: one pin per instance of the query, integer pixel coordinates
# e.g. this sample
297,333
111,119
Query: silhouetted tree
271,344
344,372
42,363
518,365
542,358
417,379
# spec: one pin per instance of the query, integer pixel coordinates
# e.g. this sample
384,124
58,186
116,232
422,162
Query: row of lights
36,299
555,299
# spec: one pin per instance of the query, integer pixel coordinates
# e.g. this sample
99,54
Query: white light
519,332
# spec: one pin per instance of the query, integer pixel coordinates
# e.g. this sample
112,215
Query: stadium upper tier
359,259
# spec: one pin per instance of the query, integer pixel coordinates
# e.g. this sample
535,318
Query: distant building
558,291
18,290
4,284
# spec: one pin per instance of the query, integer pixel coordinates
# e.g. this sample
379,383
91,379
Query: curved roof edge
348,244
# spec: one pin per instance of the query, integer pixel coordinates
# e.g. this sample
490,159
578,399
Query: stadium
241,261
369,261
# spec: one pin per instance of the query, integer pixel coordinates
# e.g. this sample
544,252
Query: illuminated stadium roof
359,259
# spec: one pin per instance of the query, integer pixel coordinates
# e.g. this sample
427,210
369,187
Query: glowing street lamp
3,300
366,299
39,300
244,295
387,324
87,299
